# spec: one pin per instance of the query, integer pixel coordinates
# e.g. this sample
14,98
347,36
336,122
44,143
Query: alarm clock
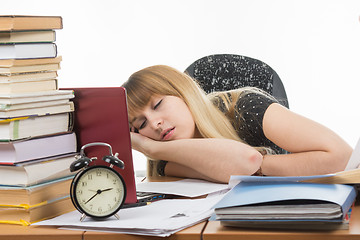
97,191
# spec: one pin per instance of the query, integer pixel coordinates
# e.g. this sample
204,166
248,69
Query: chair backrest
222,72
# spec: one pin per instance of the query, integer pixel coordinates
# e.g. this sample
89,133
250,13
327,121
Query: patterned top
248,117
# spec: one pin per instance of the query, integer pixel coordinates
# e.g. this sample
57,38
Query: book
28,86
27,36
10,67
37,111
29,62
13,152
35,194
31,68
24,215
27,77
27,50
291,203
288,224
19,101
35,172
23,106
91,126
30,127
23,22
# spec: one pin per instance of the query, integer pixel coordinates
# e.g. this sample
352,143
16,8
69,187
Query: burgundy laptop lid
101,116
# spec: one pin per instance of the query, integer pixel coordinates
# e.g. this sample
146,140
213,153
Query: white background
314,45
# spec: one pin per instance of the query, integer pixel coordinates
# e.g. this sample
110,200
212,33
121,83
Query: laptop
101,116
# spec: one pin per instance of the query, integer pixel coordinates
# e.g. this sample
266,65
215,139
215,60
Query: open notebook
101,116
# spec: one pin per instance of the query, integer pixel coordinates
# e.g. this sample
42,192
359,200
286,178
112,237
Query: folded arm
206,158
314,148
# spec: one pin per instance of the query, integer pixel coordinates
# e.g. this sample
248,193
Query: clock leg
117,216
83,216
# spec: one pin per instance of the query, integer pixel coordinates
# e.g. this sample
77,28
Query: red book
101,116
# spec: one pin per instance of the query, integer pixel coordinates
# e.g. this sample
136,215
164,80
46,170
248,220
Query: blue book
291,203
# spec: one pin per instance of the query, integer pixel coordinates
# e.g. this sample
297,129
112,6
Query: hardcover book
291,203
28,50
14,152
23,22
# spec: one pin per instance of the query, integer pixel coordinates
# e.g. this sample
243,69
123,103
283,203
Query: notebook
101,116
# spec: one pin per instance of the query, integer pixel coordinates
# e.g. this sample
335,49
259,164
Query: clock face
98,191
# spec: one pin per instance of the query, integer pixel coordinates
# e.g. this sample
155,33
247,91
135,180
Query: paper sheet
354,160
186,187
161,218
234,180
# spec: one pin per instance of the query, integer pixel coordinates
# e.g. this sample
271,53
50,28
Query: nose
156,123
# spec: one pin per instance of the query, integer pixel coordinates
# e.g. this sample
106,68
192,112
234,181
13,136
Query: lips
167,133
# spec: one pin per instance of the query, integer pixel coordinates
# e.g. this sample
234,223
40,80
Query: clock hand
108,189
97,192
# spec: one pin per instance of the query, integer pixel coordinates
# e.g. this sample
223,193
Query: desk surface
16,232
207,231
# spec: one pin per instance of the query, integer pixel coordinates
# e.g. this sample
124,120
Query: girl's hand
141,143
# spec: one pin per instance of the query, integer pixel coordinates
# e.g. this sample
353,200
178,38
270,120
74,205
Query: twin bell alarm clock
97,191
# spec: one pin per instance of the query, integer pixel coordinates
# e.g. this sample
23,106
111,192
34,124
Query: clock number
84,184
100,209
79,192
90,177
98,173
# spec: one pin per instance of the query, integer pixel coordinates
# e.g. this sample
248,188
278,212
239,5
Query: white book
30,127
38,111
28,50
7,100
10,107
36,172
38,148
28,77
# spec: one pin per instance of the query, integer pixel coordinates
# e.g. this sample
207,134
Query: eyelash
155,107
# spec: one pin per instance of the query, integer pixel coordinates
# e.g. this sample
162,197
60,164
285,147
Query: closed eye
143,124
158,104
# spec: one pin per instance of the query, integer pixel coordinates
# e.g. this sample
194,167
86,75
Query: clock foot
83,216
117,216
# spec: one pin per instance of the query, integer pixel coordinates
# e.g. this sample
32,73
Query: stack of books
286,205
37,144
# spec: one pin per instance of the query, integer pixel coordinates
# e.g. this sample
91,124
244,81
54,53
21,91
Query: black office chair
222,72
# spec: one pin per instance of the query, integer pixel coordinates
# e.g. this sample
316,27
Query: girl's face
165,118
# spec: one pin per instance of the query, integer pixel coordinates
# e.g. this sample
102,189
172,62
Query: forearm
302,164
217,159
178,170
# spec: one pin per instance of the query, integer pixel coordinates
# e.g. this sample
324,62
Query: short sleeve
248,117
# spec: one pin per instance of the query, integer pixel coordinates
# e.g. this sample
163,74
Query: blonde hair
165,80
